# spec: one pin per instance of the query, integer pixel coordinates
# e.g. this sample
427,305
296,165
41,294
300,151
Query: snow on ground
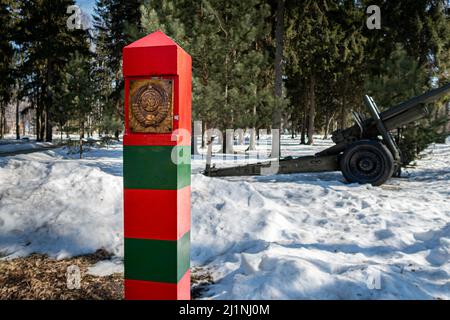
303,236
106,268
51,203
313,236
7,146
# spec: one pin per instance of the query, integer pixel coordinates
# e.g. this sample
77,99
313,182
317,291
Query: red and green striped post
157,172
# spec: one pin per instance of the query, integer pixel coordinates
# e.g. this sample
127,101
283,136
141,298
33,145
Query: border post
156,169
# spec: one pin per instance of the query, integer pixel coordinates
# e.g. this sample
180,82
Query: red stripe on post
155,140
157,214
145,140
148,290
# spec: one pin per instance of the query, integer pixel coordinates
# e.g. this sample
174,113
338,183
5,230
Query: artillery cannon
365,152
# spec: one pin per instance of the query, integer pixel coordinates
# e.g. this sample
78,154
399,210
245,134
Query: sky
86,5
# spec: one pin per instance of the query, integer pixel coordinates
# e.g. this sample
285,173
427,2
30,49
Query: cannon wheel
367,162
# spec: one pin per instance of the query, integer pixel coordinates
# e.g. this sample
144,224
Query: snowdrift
298,236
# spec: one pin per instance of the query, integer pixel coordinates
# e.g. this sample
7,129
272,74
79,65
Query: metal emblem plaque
151,106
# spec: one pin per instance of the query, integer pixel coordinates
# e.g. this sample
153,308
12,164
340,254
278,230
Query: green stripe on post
151,167
157,260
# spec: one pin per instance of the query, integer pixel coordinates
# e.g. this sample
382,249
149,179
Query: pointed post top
154,54
155,39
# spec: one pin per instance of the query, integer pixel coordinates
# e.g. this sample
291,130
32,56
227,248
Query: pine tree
350,68
279,50
312,51
415,45
42,35
227,42
420,26
75,99
117,24
6,61
402,79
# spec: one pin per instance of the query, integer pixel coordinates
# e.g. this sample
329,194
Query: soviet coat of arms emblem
151,106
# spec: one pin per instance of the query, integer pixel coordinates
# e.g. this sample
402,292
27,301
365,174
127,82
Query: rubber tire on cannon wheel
367,162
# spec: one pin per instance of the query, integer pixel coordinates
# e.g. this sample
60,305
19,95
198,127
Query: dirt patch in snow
39,277
201,279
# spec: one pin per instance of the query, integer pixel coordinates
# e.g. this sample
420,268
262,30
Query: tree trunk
343,114
48,126
194,137
118,109
193,145
279,42
38,126
90,131
41,118
1,120
230,141
48,101
35,106
240,134
225,141
325,129
17,119
203,134
303,134
328,120
312,109
41,126
447,112
82,131
252,145
81,138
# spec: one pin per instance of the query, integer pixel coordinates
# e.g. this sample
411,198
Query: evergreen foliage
72,79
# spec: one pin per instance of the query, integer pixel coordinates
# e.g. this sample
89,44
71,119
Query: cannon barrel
413,114
427,97
395,117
